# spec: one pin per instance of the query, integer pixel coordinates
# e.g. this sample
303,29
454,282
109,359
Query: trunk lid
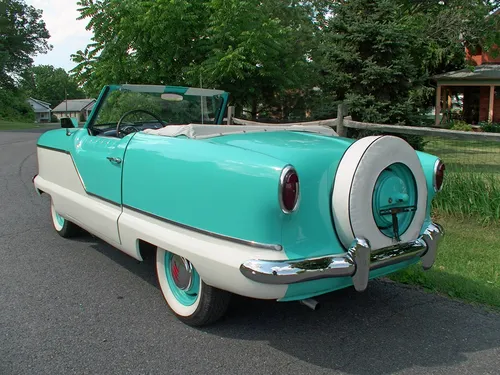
301,149
309,231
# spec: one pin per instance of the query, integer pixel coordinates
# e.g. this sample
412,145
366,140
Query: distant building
479,88
79,108
42,110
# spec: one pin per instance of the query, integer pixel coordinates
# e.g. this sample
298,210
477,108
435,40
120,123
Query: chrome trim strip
78,172
208,233
53,149
103,199
357,262
281,185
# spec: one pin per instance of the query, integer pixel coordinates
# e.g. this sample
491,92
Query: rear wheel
191,300
63,227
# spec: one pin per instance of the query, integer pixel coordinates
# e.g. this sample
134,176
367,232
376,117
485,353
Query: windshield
179,106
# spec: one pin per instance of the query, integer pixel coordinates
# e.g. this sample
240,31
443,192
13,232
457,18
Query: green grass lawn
468,261
467,265
472,179
10,125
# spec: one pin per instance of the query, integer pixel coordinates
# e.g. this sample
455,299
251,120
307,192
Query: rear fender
214,188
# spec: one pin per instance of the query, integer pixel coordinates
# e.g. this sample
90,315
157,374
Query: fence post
230,114
341,130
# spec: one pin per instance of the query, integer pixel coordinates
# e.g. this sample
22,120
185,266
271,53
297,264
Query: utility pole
66,96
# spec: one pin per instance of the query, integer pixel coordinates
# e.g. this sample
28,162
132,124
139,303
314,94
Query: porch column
438,104
492,101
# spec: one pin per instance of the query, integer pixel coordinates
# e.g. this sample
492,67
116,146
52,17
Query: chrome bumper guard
357,262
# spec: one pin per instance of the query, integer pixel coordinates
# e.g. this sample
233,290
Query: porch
469,95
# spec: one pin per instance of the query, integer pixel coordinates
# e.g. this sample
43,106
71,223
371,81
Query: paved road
82,307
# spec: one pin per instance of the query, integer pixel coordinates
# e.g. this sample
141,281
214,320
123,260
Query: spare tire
379,193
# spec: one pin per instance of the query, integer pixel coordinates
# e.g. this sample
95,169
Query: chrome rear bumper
357,262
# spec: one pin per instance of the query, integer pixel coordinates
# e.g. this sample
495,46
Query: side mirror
66,123
69,122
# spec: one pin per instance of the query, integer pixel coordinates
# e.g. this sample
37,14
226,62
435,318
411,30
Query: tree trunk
254,109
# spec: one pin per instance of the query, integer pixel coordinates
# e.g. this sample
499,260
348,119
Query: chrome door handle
114,160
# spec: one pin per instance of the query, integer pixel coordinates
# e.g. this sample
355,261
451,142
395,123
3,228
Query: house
42,110
478,86
78,108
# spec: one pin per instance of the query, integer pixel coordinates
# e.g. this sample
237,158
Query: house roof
485,72
74,105
40,102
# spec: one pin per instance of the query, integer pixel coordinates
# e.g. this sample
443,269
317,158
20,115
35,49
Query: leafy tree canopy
22,35
14,107
274,55
379,56
251,48
49,84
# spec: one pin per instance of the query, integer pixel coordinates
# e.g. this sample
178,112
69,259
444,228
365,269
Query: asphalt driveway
82,307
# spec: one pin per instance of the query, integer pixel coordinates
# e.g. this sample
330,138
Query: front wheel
63,227
191,300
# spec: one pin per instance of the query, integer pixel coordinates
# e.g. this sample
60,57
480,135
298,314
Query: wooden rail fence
341,124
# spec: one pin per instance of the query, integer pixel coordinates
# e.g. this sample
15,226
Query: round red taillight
439,175
289,190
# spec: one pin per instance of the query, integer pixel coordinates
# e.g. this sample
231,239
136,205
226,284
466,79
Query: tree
22,35
256,50
49,84
14,107
149,42
378,56
273,55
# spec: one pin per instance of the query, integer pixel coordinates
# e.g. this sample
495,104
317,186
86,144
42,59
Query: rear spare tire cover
378,173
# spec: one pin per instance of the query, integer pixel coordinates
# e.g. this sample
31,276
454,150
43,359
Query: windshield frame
108,89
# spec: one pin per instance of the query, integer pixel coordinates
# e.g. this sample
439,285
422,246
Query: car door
99,161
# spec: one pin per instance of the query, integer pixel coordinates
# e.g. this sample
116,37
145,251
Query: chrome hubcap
182,272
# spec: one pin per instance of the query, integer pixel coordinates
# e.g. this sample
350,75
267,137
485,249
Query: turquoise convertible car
279,212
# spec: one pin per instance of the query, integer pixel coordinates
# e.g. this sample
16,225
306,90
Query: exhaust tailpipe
311,303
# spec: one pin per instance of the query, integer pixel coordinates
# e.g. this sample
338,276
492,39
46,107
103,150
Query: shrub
490,127
461,125
14,107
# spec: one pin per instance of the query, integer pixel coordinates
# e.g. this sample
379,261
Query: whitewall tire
191,300
63,227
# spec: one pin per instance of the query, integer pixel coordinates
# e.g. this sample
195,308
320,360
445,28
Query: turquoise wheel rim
59,219
185,294
395,187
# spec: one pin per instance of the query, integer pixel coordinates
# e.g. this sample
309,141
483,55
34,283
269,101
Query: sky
67,35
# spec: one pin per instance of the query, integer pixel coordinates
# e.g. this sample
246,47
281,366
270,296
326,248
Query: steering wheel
119,124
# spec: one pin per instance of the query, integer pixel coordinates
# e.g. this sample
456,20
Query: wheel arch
145,250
